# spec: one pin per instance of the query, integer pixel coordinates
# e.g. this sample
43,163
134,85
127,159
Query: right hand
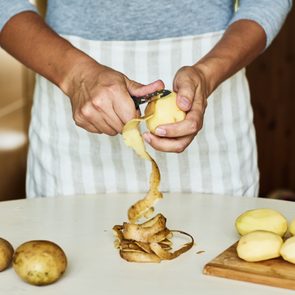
100,97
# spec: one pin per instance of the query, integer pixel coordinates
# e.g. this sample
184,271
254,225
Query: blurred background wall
272,84
14,117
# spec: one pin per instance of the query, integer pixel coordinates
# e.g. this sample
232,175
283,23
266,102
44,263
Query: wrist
75,69
214,70
242,42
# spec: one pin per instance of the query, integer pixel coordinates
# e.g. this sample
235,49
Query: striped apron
67,160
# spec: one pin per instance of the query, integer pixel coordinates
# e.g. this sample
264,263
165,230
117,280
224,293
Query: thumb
137,89
185,96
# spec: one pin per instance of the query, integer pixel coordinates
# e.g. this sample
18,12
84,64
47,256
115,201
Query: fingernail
160,132
185,102
147,137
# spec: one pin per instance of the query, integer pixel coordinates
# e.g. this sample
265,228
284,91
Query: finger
89,127
186,127
138,89
82,123
185,94
175,145
104,127
189,126
100,123
124,107
105,107
96,117
114,121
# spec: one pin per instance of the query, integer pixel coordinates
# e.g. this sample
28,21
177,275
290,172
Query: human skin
100,96
242,42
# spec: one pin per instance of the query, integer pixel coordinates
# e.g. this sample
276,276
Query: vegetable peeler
138,100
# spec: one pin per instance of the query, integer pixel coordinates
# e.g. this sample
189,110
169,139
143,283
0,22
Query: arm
241,43
27,38
249,33
86,82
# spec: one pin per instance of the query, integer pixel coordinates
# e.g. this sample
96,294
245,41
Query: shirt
150,19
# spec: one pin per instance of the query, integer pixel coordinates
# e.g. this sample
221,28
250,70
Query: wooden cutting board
274,272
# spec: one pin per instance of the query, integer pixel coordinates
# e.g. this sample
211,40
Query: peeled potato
259,245
165,111
6,253
292,227
288,250
39,262
261,219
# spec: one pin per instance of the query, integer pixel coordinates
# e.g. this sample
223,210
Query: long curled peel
133,139
149,241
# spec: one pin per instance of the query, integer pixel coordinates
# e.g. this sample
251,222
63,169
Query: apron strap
236,5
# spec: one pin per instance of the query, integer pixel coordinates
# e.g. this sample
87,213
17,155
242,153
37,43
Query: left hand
192,91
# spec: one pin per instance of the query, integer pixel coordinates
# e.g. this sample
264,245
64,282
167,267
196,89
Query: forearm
240,45
32,42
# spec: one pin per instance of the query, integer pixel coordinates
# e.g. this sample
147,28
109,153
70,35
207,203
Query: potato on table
6,253
288,250
39,262
261,219
292,227
259,245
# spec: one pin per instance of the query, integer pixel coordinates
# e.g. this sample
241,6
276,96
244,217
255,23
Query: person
91,56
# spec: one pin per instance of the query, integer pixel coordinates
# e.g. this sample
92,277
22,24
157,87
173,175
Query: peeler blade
138,100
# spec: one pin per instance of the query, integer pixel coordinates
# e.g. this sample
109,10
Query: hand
100,98
192,92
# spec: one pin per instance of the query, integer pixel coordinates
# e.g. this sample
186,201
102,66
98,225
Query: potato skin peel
149,242
156,246
132,138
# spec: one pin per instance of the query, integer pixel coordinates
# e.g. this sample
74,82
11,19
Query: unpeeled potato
6,253
164,110
39,262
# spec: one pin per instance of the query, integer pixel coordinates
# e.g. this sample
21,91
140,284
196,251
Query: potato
165,111
6,253
292,227
261,219
259,245
39,262
288,250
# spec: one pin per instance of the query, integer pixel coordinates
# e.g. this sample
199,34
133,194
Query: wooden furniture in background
272,84
14,118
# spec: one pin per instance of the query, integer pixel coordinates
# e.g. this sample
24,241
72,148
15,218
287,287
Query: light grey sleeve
269,14
9,8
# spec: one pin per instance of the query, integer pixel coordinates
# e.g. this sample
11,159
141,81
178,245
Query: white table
82,226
